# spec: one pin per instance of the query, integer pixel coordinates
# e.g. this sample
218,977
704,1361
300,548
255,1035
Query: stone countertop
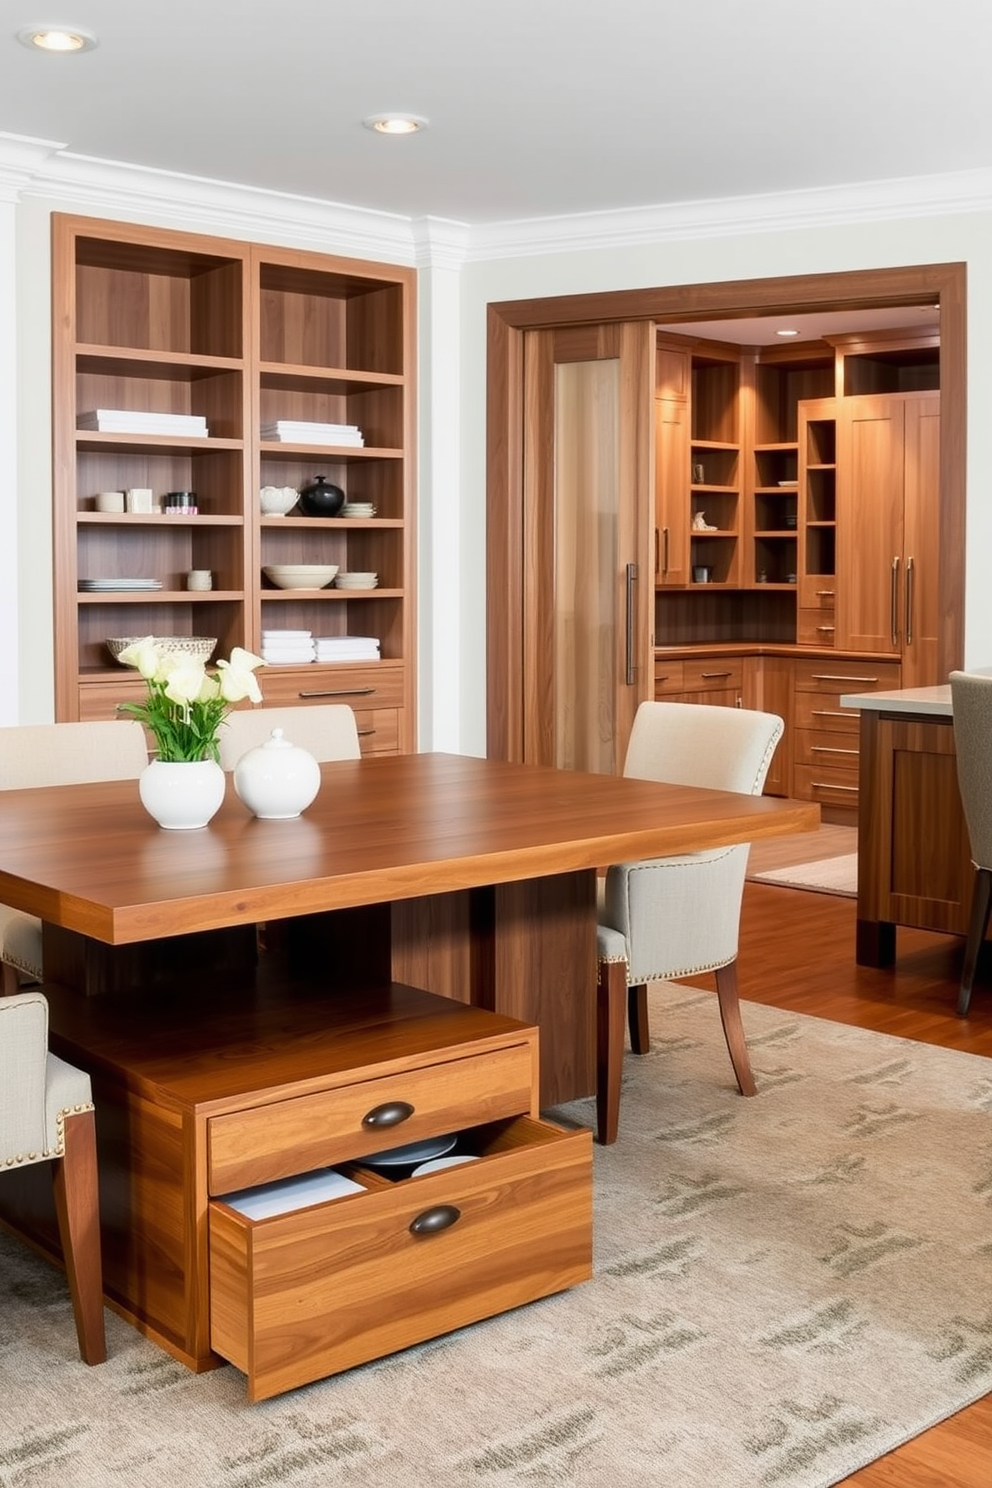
935,701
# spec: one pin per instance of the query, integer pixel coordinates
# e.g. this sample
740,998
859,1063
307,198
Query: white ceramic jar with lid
277,780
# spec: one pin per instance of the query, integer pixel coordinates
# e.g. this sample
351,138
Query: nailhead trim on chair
59,1149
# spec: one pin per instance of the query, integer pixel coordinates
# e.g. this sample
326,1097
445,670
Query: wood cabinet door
921,605
671,466
870,547
588,580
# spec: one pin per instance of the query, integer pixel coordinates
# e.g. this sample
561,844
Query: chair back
23,1060
701,744
37,754
328,731
971,701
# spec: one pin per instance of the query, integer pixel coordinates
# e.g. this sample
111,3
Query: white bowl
300,575
357,578
276,501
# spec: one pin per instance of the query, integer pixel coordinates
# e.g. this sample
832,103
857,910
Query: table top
935,701
90,859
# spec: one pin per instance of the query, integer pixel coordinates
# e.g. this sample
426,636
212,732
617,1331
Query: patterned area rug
786,1288
826,876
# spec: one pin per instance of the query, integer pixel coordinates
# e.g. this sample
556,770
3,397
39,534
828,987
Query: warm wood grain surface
88,858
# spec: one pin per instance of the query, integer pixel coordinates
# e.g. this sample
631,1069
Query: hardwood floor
797,952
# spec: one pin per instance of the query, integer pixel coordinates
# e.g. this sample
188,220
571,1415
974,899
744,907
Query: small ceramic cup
199,578
110,501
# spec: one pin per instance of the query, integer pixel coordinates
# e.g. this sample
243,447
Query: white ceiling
537,108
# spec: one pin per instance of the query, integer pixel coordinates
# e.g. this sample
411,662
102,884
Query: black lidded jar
319,498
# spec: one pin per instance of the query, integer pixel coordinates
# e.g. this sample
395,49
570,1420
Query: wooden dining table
241,994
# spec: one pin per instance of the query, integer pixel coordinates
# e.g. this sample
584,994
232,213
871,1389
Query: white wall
458,280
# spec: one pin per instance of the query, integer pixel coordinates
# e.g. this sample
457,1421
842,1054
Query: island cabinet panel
303,1295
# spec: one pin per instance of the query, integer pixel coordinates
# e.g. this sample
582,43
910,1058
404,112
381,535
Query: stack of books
287,647
300,431
347,648
137,421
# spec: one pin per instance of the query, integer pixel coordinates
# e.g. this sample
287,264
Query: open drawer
306,1294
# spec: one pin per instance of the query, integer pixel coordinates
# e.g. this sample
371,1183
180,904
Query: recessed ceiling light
395,123
52,38
787,333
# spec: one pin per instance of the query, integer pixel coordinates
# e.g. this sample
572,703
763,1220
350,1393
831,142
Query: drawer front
300,1296
719,697
667,677
717,673
815,627
377,686
818,747
821,712
378,730
817,592
830,787
845,675
265,1142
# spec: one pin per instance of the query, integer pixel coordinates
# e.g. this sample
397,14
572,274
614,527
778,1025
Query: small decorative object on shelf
700,524
184,786
277,780
319,498
276,501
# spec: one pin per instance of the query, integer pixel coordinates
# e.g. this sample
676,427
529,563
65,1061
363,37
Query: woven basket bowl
199,647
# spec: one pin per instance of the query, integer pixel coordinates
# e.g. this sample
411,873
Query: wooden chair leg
610,1003
981,902
637,1018
733,1028
11,982
77,1206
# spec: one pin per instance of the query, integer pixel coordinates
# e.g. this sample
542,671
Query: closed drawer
718,697
828,786
261,1143
667,677
822,711
845,675
379,685
817,592
299,1296
717,672
815,627
819,747
98,700
378,731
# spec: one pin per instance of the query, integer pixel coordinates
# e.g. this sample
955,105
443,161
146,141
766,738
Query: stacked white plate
101,586
357,509
356,581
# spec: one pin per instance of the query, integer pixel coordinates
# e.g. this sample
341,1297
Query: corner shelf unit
241,335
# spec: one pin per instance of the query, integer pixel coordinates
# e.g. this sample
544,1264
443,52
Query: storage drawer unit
825,742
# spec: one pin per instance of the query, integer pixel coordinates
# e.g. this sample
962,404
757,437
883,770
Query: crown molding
440,243
954,193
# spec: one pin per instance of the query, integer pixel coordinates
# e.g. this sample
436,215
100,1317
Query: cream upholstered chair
677,916
58,754
326,730
46,1115
971,702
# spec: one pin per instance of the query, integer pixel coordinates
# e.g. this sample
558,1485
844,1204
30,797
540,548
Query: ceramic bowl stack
356,581
358,509
300,575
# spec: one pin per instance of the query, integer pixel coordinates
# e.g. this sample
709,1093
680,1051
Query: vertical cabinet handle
894,604
909,601
631,580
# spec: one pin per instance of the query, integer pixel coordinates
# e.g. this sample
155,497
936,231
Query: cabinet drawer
845,675
716,672
817,592
830,787
667,677
261,1143
818,747
815,627
302,1295
823,712
376,686
379,731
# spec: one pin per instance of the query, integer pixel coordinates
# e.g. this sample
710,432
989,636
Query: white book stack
287,647
138,421
301,431
347,648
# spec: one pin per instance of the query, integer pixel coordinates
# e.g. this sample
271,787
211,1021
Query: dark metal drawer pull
433,1221
366,733
340,692
390,1113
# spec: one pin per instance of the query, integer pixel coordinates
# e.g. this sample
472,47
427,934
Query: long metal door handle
909,601
631,581
339,692
894,608
664,551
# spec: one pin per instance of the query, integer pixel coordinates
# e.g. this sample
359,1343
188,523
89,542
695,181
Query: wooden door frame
921,284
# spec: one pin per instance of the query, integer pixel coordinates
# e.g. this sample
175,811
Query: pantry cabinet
221,367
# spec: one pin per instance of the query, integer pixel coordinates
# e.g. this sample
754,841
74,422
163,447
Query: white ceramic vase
277,780
182,794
